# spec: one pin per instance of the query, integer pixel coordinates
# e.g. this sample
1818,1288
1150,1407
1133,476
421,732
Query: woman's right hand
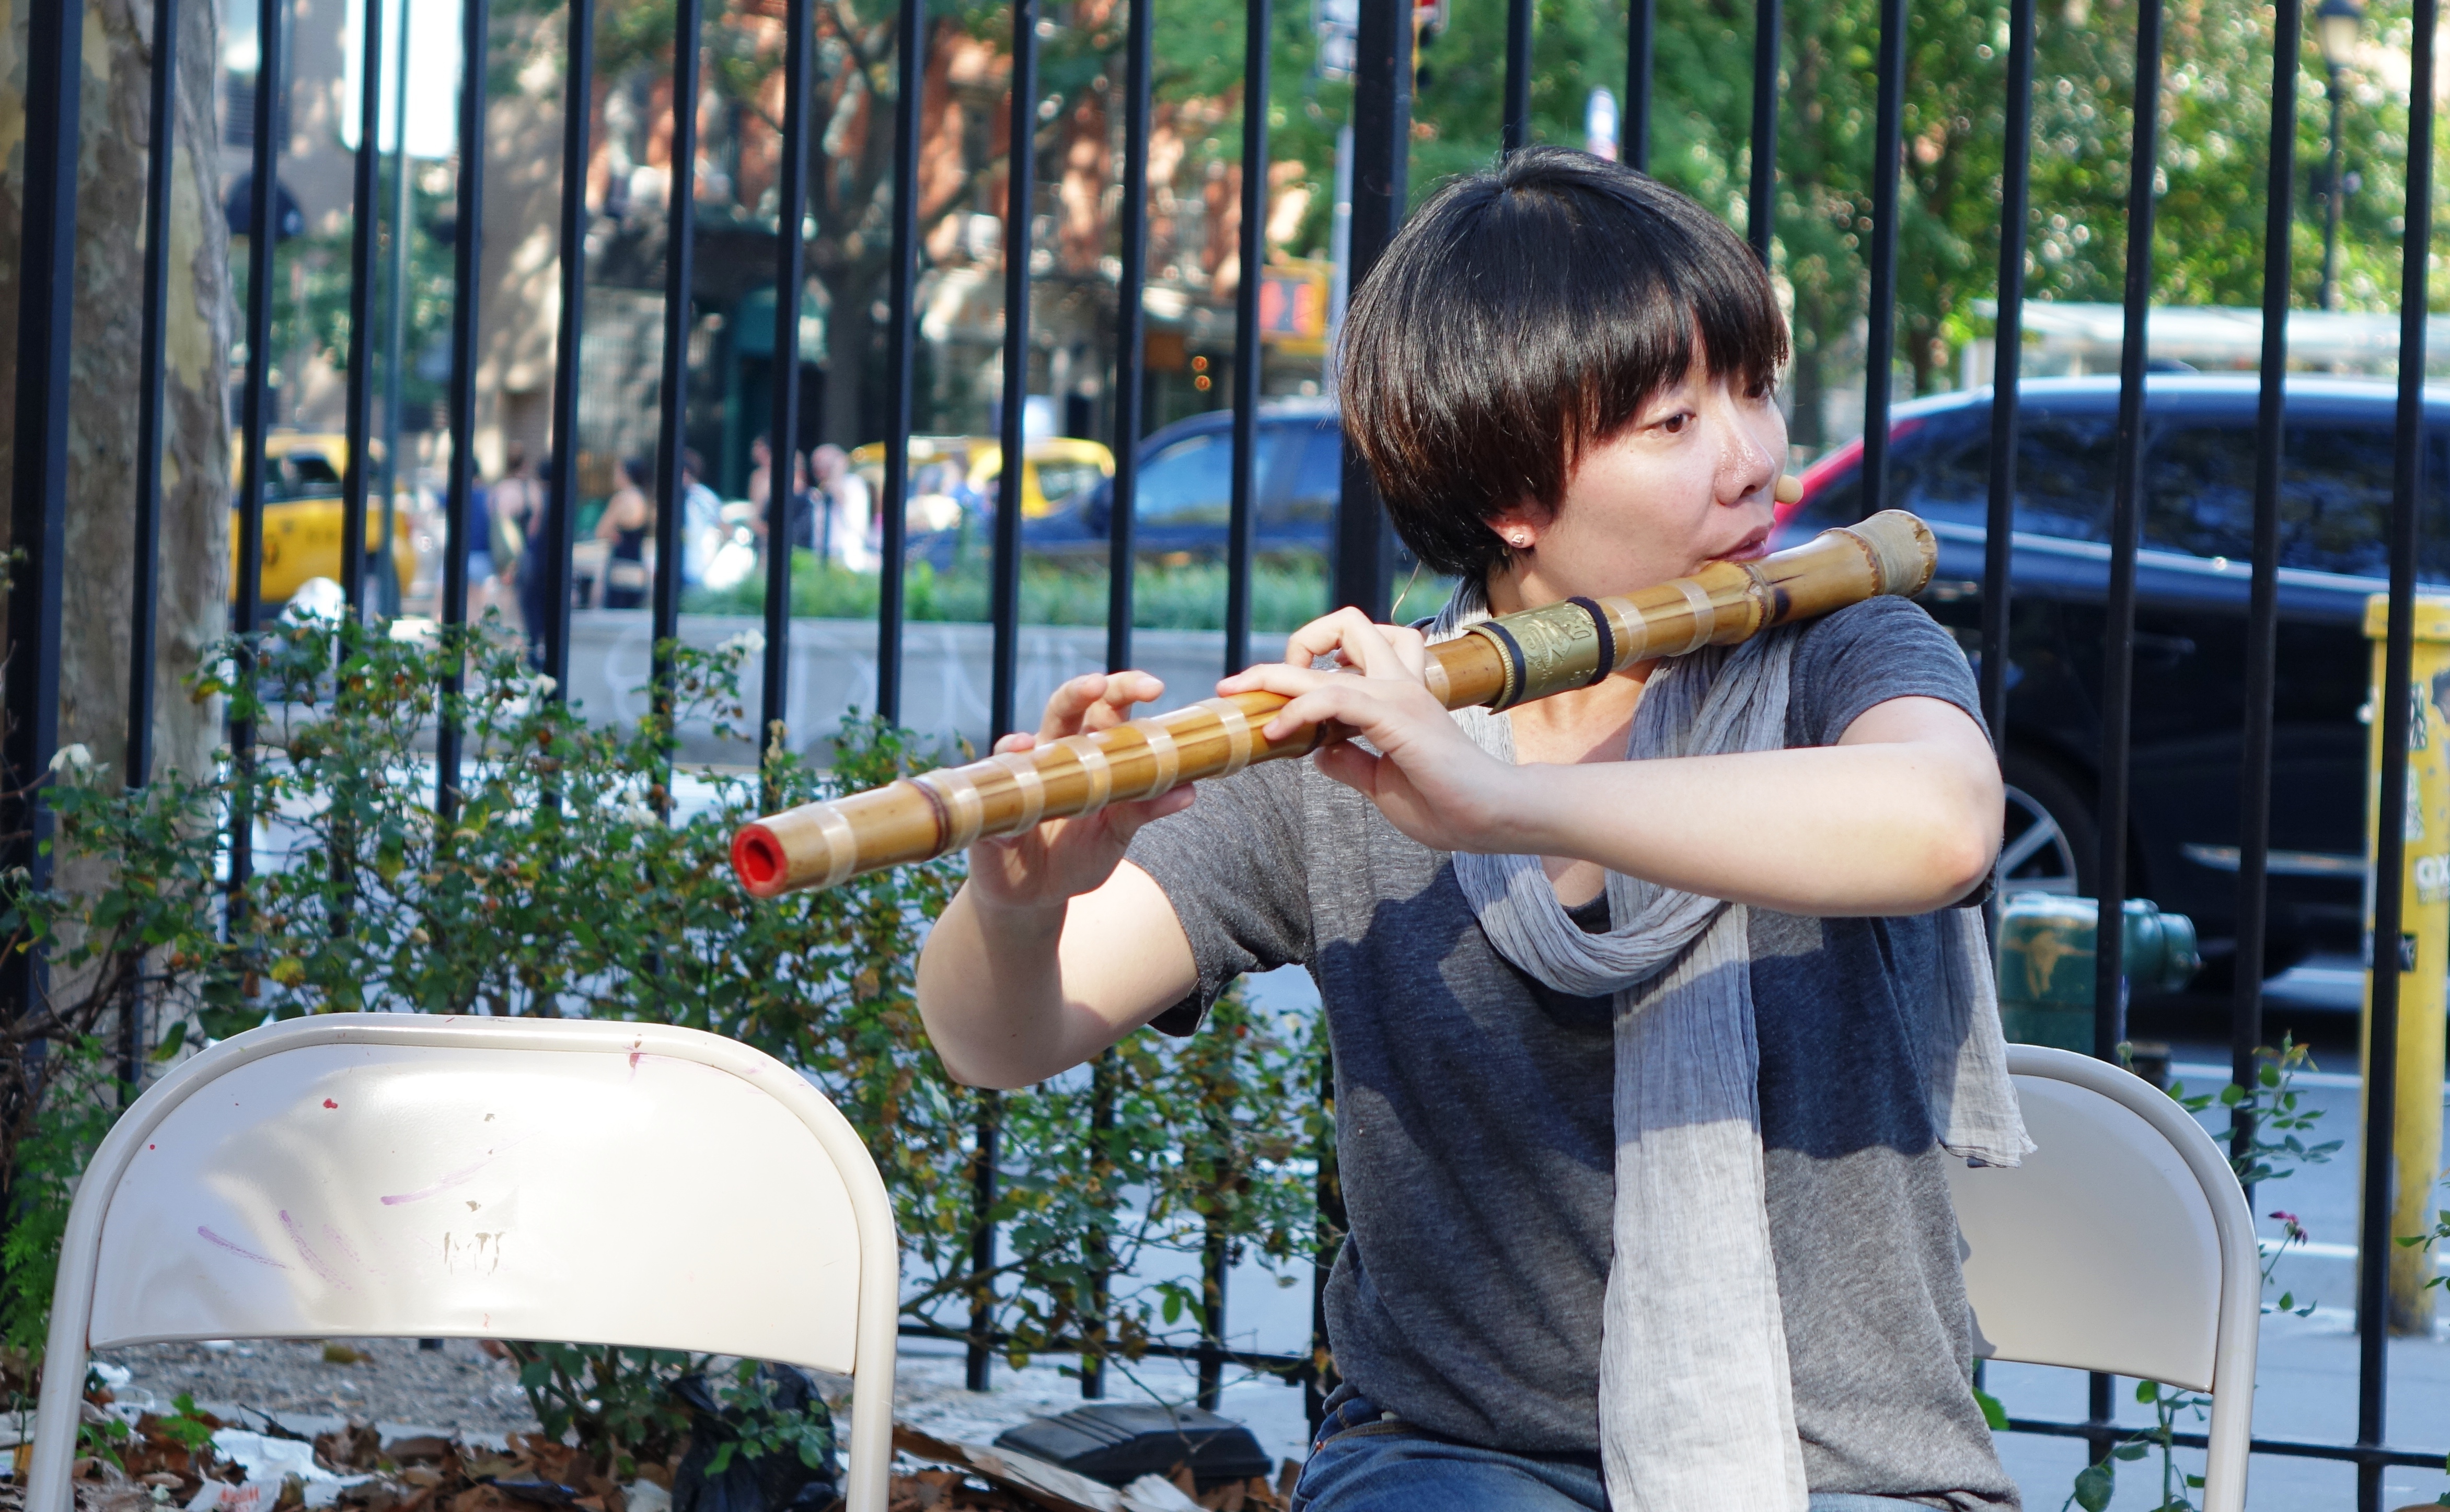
1048,866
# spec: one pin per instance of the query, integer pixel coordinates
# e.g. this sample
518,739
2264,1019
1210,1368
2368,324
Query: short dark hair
1523,315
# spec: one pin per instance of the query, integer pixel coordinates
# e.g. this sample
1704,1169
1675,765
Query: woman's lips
1751,549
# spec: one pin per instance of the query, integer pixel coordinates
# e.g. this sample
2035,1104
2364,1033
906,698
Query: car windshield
2335,487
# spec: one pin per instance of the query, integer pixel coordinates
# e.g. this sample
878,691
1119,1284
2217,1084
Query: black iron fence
1382,129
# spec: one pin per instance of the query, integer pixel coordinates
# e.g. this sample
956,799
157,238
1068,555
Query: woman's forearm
1014,994
1830,831
990,988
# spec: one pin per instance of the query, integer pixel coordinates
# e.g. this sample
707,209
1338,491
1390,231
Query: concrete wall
946,673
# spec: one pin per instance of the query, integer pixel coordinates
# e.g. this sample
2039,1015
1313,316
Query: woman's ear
1519,525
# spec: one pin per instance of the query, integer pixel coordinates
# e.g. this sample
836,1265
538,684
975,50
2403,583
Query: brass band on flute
1498,663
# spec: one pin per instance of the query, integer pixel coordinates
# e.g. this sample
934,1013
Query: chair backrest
2123,1243
400,1174
2105,1250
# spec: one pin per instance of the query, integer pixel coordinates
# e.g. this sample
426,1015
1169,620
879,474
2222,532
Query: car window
2066,471
1318,477
2064,468
1060,480
1191,481
2334,490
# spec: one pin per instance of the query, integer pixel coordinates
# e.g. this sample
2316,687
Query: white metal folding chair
2122,1244
379,1175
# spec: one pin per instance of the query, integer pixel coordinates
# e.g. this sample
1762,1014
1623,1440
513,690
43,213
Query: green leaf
1992,1412
2094,1485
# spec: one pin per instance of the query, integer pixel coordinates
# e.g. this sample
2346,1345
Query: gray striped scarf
1696,1408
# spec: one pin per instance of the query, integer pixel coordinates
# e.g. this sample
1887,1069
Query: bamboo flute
1497,662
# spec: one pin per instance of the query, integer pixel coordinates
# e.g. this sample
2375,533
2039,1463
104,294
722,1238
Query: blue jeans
1362,1462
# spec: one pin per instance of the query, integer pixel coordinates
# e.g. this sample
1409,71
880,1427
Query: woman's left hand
1428,777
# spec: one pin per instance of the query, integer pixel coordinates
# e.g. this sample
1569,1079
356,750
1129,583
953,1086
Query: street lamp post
2336,25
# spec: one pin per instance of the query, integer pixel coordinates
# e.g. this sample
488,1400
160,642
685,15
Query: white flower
748,643
72,759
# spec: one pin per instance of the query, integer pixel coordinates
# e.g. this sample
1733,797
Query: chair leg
58,1413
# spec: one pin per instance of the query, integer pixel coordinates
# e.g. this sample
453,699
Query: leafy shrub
569,877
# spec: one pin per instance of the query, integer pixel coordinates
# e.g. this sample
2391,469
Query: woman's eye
1674,424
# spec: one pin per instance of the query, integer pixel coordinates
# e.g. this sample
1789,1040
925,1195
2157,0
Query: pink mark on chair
210,1237
314,1260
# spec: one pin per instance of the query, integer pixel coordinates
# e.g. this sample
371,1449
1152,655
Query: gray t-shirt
1475,1135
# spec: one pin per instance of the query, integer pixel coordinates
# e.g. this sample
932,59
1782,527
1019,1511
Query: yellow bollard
2425,943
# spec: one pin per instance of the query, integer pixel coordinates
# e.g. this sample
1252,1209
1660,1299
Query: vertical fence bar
247,602
467,246
1761,201
1130,344
2263,601
38,485
2118,629
1257,18
2119,619
362,213
1214,1268
1130,336
395,328
672,397
1021,182
904,281
2015,181
1640,30
1517,130
146,540
1879,352
782,441
979,1367
162,97
1382,131
1099,1253
561,509
2390,846
1326,1237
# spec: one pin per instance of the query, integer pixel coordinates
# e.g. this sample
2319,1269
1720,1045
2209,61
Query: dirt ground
456,1390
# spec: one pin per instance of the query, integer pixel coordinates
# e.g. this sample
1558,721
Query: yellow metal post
2423,950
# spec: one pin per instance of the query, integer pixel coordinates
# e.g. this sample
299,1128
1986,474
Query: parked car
302,516
1184,494
1055,471
2190,623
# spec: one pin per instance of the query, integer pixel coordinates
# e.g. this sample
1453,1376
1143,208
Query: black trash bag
768,1482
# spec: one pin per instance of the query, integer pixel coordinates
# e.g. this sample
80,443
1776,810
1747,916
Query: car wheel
2050,843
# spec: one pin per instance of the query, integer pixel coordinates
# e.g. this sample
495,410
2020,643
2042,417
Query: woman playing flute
1657,1006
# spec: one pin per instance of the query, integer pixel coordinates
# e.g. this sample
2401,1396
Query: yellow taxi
1055,469
301,516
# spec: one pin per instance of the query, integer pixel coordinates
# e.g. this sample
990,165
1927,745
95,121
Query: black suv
2191,584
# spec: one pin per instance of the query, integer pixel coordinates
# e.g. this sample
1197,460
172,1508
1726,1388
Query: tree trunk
97,587
1806,378
193,602
850,358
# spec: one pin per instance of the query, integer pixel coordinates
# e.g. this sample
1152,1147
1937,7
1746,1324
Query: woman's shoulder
1867,654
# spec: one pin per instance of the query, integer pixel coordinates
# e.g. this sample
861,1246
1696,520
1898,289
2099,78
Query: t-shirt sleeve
1866,655
1233,867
